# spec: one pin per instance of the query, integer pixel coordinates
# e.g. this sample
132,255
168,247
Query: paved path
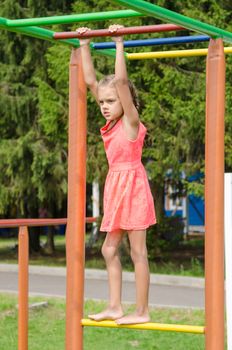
165,290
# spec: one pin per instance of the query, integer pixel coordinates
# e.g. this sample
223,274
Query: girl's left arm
121,83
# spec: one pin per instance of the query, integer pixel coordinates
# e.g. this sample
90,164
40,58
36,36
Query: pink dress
128,202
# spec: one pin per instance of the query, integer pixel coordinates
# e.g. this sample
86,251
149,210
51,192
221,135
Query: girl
128,203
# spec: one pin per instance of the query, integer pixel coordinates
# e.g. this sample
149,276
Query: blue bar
156,41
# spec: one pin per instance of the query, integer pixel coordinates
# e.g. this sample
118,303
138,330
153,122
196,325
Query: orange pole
75,233
23,253
39,222
214,196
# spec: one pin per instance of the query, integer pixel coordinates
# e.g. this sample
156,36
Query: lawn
47,328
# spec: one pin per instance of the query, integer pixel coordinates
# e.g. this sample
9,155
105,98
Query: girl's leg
114,269
142,278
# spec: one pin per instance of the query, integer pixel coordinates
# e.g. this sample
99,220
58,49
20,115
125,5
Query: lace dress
128,202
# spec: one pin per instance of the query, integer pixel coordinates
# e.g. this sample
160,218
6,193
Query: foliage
32,148
34,107
166,235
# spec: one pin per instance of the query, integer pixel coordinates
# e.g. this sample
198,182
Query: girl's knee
138,255
110,246
104,250
108,252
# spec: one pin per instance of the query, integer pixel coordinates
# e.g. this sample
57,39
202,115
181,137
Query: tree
34,108
26,165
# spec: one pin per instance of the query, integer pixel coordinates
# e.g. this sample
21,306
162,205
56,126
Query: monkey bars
90,17
35,32
215,98
150,326
159,12
172,53
156,41
120,31
45,34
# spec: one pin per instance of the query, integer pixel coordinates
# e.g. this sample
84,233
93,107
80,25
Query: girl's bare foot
133,319
108,314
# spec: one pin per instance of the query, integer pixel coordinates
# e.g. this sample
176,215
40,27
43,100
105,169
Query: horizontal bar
152,42
5,223
122,31
147,326
3,21
167,15
95,16
106,52
36,32
174,53
46,34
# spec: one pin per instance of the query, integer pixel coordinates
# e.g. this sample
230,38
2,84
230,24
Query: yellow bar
166,54
147,326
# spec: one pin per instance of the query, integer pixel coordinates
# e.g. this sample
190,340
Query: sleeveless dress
128,202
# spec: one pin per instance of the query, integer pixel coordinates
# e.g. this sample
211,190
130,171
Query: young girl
128,203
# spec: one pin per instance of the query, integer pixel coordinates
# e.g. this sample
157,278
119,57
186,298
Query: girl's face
110,105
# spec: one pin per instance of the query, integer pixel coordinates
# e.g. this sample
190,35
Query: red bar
38,222
123,31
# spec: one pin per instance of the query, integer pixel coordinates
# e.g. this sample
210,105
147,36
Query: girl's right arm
88,68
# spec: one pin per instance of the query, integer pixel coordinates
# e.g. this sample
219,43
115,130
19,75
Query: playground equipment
214,172
228,256
153,42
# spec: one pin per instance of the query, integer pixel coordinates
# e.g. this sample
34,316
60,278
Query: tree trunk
34,240
50,246
34,232
157,189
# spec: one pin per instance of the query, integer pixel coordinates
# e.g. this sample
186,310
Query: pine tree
33,171
34,107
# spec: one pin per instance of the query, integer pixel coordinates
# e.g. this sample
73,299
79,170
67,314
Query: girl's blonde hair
108,80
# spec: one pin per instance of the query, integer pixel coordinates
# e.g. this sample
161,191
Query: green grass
193,268
188,266
47,329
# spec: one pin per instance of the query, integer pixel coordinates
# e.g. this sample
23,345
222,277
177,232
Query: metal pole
168,54
214,196
146,326
75,234
122,31
167,15
35,32
82,17
46,34
23,254
152,42
39,222
228,255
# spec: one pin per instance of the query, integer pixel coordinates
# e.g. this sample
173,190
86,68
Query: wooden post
214,196
23,256
75,233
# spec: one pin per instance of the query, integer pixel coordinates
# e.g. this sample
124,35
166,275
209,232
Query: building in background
191,208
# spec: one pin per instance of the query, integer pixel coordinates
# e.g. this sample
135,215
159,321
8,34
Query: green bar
97,16
37,32
46,34
105,52
167,15
3,21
